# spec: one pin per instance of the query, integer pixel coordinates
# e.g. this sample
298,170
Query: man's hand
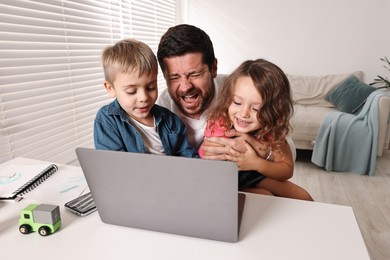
217,147
225,146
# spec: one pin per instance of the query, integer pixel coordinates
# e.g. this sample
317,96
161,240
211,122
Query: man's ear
214,68
110,89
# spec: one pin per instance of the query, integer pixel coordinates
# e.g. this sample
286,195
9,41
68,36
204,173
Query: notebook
177,195
17,180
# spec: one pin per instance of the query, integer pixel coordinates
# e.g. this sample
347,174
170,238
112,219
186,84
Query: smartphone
82,205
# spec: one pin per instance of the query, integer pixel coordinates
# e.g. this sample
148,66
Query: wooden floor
369,196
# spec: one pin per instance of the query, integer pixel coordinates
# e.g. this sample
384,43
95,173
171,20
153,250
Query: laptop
177,195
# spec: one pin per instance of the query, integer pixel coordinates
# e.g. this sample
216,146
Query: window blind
50,70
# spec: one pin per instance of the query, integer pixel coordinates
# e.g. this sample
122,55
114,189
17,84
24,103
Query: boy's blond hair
128,55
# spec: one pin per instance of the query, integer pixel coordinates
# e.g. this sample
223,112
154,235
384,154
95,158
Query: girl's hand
247,160
260,148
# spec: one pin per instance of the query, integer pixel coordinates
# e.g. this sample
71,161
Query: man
187,60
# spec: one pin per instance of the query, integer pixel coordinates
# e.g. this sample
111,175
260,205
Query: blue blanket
348,142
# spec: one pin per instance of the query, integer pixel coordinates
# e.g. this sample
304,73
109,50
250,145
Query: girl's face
245,106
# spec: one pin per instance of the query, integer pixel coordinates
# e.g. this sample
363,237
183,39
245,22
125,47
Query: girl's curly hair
274,89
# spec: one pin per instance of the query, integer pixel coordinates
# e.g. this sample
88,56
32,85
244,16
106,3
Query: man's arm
217,147
208,143
217,152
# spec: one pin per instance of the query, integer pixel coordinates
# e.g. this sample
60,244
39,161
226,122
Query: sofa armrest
384,112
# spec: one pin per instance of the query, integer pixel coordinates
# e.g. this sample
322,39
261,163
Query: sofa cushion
306,121
350,95
312,90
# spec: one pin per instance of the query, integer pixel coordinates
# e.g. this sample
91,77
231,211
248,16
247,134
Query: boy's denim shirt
112,131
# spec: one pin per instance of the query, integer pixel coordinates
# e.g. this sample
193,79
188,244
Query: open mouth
242,123
190,99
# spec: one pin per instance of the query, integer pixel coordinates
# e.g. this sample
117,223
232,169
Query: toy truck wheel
44,231
24,229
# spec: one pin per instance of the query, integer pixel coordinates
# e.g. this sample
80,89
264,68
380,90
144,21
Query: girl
255,101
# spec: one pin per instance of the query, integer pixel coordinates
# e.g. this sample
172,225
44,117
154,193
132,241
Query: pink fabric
216,129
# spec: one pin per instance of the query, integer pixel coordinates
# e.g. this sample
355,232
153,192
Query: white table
272,228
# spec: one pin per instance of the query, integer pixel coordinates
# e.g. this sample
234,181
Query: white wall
308,37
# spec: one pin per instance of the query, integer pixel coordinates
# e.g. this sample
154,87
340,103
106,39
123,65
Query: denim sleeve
106,137
183,147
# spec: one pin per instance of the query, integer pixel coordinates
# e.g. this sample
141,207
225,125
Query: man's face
190,83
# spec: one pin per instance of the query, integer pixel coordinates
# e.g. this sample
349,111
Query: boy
133,122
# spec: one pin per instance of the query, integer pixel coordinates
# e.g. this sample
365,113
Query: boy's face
245,106
135,94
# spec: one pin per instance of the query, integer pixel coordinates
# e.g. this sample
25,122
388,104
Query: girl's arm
280,168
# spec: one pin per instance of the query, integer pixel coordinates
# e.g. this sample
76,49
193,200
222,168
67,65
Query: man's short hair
182,39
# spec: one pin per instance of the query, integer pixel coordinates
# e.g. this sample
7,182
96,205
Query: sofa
312,103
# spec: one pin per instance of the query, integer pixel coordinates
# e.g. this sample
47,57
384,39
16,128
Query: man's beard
194,93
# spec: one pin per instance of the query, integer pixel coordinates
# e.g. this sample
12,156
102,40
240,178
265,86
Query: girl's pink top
215,129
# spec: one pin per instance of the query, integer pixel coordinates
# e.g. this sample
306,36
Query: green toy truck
43,218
